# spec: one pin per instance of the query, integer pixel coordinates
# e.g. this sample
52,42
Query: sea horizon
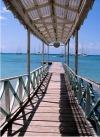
47,53
11,66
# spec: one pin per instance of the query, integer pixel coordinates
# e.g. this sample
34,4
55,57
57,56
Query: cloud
3,13
4,10
2,18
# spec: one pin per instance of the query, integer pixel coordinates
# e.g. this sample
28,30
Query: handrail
14,91
86,79
15,77
86,95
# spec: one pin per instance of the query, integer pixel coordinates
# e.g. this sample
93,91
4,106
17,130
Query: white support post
43,54
7,96
48,54
65,54
28,59
68,53
76,52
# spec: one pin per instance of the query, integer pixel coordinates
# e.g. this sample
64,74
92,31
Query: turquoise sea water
15,64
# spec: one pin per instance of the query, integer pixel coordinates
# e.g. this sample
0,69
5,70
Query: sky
13,36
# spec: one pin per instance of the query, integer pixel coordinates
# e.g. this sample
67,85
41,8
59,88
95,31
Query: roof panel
34,15
27,3
40,2
45,11
74,4
51,20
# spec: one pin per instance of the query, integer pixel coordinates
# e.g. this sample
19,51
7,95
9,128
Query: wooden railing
14,92
88,96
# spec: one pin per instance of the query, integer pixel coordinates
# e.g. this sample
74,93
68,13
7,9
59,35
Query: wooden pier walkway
55,113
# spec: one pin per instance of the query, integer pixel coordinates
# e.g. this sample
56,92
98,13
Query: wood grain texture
57,113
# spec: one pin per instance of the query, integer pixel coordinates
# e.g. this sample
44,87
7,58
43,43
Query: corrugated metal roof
51,20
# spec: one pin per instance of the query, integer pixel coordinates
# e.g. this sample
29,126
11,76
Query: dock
52,100
55,113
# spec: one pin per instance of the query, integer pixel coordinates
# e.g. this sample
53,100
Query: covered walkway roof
51,20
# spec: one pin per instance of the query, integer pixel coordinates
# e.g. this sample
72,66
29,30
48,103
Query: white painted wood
7,96
28,59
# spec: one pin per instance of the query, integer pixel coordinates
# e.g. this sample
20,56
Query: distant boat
83,54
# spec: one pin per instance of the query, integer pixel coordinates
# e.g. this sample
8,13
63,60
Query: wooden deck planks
58,113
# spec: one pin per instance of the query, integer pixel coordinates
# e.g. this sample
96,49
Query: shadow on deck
55,113
68,125
21,123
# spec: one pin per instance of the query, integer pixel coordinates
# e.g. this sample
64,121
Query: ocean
16,64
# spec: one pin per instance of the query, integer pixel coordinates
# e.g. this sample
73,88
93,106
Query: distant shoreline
49,54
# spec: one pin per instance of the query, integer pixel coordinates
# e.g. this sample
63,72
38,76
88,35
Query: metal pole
28,59
65,54
68,53
76,51
43,53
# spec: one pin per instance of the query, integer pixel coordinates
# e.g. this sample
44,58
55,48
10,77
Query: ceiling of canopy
51,20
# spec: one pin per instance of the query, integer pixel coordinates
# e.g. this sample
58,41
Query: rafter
37,6
39,13
64,25
38,21
66,7
47,20
53,17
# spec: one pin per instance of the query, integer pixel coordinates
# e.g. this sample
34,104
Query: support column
68,53
28,59
48,54
43,53
76,51
65,54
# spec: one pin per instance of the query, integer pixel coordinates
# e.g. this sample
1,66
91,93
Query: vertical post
7,97
28,59
48,54
43,53
65,54
20,89
76,51
68,53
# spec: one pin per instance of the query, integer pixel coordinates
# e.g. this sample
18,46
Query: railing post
79,90
76,51
43,54
7,96
28,59
20,89
68,53
88,101
65,54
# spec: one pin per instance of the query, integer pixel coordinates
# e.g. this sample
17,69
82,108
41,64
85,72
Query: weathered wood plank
58,114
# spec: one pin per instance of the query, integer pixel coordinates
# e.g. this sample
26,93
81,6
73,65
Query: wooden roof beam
19,11
66,7
39,13
62,35
53,17
58,23
36,6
